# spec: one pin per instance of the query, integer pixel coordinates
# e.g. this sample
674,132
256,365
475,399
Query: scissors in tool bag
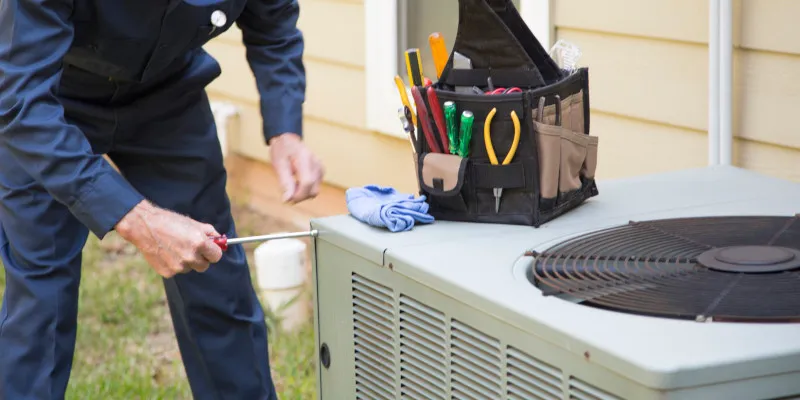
487,138
493,90
505,91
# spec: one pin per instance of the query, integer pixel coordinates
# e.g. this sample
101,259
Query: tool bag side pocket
442,179
571,110
567,153
548,142
589,167
574,147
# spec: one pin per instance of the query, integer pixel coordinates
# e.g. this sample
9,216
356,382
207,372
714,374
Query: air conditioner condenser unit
681,285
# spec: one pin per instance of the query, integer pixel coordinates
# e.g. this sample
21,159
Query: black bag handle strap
498,5
523,78
492,34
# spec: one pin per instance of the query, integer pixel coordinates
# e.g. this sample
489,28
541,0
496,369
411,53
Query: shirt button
218,19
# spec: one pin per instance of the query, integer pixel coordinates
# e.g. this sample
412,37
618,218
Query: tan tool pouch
441,179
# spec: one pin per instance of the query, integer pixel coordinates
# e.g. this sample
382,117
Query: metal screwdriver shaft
223,242
264,238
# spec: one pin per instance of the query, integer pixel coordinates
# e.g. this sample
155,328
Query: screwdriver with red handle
223,242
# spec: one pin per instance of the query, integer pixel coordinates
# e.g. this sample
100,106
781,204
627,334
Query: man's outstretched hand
170,242
299,171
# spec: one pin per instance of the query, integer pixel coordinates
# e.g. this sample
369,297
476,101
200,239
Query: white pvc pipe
280,275
726,82
223,112
713,82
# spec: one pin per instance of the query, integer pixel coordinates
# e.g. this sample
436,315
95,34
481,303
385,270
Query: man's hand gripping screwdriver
223,242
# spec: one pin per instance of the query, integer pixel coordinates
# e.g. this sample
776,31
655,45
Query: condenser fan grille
725,268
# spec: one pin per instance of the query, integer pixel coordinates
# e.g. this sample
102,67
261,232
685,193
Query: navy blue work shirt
127,40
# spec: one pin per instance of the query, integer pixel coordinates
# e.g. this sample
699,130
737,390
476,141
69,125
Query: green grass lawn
126,347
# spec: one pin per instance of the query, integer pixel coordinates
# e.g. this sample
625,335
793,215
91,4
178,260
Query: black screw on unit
325,356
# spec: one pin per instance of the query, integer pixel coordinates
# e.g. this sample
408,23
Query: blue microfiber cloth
385,207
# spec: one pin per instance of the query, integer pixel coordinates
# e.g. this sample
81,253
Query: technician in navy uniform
126,78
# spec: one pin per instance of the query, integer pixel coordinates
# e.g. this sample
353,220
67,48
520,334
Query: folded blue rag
385,207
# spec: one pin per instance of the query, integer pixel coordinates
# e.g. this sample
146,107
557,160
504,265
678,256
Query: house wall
648,63
335,121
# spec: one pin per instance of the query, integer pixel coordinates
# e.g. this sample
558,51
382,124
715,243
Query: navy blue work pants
162,137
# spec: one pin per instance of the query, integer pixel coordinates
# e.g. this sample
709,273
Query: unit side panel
357,316
335,327
315,308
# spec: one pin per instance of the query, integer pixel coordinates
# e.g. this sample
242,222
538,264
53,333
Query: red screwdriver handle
222,242
438,117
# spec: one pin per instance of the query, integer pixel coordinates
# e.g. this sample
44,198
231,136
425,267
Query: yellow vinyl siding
357,157
780,162
634,147
767,94
648,63
650,116
655,80
767,89
334,113
678,20
769,25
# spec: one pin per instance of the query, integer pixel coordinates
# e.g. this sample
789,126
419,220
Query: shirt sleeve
274,51
34,37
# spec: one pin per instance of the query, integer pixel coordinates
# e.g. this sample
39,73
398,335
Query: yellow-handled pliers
487,139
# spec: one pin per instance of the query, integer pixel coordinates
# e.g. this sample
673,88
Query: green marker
452,131
466,133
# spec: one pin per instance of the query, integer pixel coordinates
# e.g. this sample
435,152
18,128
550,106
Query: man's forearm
34,36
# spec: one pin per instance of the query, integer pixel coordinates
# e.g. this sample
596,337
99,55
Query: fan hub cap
751,259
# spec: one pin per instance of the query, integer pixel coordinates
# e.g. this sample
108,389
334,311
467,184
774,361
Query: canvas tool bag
556,158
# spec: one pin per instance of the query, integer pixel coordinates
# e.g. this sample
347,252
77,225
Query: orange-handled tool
438,51
223,242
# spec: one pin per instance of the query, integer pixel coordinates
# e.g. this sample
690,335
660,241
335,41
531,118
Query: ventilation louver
439,357
423,346
476,364
373,325
725,268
